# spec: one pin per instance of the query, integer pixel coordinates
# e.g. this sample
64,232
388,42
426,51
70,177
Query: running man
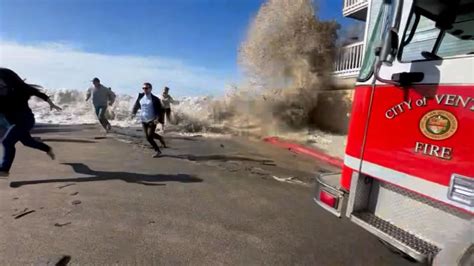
151,111
166,100
102,97
14,96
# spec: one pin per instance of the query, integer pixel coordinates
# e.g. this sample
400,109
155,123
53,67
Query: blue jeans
19,131
4,122
100,112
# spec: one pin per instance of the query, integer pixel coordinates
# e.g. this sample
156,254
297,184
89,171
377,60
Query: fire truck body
408,173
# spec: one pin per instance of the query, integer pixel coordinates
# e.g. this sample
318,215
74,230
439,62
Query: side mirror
389,47
386,55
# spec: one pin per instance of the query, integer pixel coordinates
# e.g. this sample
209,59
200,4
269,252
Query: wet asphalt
206,201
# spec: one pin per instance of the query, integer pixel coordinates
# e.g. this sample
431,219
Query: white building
350,57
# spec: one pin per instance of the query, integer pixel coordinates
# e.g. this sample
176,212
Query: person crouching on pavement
151,111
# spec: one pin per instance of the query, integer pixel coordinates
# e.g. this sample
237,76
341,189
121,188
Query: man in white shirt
151,111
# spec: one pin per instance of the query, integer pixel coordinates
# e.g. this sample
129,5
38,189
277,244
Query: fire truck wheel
397,251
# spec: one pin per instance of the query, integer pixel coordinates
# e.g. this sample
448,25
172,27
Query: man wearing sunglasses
151,111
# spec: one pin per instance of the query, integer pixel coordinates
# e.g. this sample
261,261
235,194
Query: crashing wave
191,110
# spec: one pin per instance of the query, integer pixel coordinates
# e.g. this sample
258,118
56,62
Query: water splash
287,58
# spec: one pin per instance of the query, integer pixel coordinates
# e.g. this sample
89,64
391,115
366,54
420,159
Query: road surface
207,201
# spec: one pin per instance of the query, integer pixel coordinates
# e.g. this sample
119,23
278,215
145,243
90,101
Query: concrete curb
298,148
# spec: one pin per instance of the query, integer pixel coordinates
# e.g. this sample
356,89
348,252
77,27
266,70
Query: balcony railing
349,60
355,9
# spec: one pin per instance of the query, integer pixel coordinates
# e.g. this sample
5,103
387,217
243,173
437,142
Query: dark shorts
161,118
166,112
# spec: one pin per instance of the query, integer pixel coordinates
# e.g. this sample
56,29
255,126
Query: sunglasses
146,88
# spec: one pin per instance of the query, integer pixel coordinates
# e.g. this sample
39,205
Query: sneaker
51,154
157,154
4,174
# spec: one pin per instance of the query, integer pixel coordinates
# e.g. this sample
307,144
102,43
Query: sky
188,45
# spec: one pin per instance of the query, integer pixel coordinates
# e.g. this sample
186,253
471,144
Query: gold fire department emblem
438,124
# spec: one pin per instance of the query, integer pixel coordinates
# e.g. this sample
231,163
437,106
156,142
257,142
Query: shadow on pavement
182,138
142,179
216,157
52,128
138,133
67,140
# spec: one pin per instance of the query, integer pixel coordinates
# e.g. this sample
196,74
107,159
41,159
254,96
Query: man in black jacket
151,111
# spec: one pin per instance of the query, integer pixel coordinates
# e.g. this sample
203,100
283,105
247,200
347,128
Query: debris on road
259,171
62,224
57,260
23,213
76,202
291,179
74,193
66,185
270,163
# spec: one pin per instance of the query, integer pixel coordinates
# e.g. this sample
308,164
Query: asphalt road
207,201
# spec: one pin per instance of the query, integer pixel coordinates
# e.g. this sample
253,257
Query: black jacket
15,101
156,105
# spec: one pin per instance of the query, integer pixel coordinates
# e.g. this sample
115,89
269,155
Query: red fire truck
408,175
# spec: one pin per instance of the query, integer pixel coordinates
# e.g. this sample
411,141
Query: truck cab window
382,15
437,30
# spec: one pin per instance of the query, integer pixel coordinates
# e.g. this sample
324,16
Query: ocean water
77,111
